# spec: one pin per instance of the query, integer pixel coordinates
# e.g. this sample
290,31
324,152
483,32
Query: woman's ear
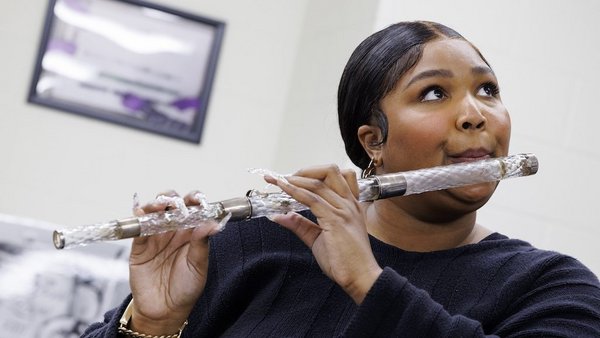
370,137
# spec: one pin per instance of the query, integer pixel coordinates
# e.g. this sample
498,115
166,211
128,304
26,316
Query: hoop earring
370,170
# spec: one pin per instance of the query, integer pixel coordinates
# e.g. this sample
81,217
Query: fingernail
136,201
137,211
283,182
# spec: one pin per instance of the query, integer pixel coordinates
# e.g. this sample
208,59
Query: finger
352,181
166,198
314,191
153,207
138,212
198,251
206,229
196,197
159,203
140,244
315,194
330,174
170,201
301,195
193,197
302,227
319,207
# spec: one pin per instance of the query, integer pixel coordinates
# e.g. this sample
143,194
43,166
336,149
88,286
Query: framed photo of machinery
128,62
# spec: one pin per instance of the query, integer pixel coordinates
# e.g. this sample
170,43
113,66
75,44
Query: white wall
273,106
309,134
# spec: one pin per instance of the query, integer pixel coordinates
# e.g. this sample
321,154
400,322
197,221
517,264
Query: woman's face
446,109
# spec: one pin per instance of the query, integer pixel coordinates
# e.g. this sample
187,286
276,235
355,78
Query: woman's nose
470,116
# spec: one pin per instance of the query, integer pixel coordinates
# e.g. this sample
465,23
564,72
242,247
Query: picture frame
129,62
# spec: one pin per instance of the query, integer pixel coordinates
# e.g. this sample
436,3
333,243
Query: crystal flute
257,204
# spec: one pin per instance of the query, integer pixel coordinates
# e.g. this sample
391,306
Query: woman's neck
391,224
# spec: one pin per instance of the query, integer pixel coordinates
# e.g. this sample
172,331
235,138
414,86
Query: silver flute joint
240,208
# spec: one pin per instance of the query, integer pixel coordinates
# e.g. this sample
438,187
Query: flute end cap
58,239
533,163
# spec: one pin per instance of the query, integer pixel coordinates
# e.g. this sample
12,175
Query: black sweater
264,282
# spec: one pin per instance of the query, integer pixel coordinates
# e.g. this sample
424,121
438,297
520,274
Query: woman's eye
488,89
432,94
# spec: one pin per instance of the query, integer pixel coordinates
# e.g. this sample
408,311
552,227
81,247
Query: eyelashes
437,93
490,88
432,93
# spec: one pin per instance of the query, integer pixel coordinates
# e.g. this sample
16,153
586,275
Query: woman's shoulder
526,252
518,262
496,254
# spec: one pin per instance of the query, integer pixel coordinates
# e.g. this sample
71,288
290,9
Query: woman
413,95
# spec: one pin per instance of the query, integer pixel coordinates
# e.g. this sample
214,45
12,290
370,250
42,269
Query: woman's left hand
340,241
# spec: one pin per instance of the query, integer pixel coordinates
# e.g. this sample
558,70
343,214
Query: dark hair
372,72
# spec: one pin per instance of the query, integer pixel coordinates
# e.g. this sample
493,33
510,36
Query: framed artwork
128,62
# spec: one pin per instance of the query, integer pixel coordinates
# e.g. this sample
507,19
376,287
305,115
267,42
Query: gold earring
370,170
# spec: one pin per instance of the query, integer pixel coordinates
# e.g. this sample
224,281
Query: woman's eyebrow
429,73
482,70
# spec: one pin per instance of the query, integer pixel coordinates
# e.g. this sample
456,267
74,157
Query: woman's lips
470,156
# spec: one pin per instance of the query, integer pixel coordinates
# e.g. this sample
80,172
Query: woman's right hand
167,273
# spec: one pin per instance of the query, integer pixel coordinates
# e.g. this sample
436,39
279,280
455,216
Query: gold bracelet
124,321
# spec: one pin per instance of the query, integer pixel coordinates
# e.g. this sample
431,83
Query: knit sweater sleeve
107,328
562,301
